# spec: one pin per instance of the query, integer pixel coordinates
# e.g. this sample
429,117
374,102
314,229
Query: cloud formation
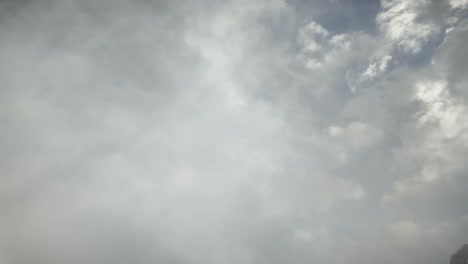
233,131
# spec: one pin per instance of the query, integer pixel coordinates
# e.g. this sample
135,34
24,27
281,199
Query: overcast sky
233,132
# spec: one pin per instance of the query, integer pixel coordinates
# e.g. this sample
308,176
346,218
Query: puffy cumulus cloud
430,162
232,132
320,48
409,32
401,24
441,120
311,36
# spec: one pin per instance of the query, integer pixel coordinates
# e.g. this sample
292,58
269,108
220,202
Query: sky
229,132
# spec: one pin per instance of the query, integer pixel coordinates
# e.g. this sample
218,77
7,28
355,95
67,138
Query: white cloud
459,3
130,130
312,37
400,24
441,119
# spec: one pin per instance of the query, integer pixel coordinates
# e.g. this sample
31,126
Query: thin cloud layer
232,132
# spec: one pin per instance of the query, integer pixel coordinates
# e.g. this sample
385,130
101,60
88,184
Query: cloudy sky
233,132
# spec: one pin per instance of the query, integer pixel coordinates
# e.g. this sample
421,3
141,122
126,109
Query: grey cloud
231,132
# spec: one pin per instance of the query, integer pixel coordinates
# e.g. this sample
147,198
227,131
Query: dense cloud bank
206,131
